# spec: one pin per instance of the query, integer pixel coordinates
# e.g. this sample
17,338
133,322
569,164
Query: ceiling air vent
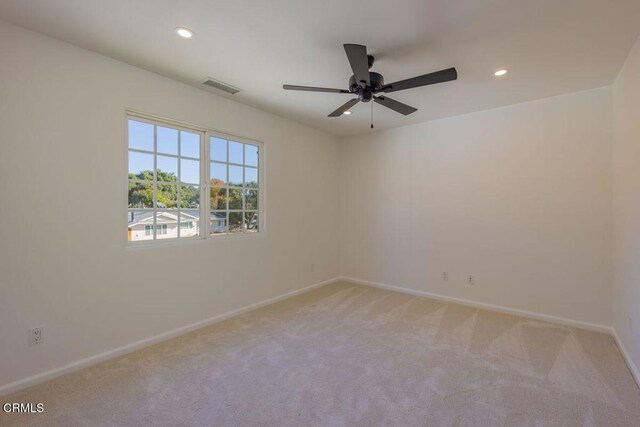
217,84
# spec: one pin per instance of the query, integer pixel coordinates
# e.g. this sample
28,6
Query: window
160,229
234,186
164,179
171,167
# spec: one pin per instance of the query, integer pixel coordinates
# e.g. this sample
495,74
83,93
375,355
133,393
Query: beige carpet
348,355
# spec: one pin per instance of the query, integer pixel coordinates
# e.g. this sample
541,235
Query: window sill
134,246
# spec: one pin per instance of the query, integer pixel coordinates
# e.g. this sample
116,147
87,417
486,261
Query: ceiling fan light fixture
501,72
185,33
347,113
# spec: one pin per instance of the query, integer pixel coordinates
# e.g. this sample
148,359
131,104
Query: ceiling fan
367,84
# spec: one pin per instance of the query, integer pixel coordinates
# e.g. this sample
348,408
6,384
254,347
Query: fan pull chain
371,102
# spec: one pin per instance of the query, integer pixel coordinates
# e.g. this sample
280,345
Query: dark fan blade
357,55
314,89
395,105
424,80
344,108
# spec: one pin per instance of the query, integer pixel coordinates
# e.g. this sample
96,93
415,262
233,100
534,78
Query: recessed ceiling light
501,72
184,32
346,113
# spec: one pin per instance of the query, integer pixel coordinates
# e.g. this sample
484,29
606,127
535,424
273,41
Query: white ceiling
550,46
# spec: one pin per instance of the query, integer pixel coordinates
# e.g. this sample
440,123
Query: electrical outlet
35,336
313,267
471,280
445,276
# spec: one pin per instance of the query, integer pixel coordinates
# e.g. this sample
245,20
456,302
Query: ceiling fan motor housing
366,93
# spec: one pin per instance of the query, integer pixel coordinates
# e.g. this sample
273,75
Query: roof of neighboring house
137,217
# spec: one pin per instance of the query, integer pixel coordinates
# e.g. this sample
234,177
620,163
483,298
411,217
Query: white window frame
205,184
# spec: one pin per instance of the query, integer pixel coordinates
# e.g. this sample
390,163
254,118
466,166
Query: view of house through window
165,183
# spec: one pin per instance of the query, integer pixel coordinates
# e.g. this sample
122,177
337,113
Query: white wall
63,263
519,197
626,205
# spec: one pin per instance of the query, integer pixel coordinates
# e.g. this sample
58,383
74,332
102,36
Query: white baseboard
627,357
485,306
92,360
